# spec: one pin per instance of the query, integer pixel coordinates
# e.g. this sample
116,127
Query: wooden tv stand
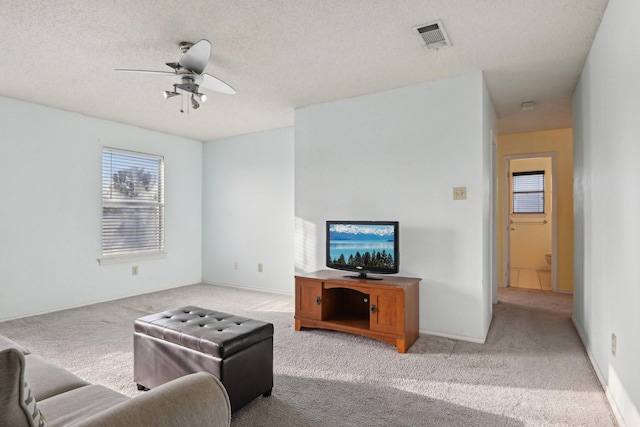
385,310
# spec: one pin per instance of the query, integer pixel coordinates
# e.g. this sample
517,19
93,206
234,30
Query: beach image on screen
362,245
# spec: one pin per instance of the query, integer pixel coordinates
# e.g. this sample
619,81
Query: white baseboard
454,337
92,302
249,288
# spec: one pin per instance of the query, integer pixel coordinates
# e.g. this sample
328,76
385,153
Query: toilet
547,257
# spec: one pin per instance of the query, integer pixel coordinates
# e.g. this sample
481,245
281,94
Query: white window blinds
132,202
528,192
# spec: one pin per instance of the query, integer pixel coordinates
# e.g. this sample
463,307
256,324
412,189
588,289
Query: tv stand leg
298,325
401,344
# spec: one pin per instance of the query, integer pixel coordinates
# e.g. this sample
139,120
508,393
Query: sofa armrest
197,399
6,342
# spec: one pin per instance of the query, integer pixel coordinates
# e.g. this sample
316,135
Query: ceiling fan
188,74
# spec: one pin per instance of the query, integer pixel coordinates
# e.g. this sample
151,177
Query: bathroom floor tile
513,277
528,279
545,279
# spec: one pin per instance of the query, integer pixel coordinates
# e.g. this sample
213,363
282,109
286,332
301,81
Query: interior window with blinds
132,202
528,192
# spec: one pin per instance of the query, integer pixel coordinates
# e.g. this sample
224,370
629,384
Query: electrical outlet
134,270
259,268
235,265
614,344
459,193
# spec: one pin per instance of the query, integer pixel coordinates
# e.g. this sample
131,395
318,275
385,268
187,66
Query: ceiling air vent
433,35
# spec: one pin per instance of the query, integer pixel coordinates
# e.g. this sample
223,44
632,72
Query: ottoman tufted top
212,332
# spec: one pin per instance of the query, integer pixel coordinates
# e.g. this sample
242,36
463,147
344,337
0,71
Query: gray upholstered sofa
35,392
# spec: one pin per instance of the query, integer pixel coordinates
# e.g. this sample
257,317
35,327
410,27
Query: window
132,203
528,192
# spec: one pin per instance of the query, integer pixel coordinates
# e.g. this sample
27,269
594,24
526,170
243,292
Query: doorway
530,221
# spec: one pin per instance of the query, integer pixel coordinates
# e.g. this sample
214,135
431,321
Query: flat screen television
363,247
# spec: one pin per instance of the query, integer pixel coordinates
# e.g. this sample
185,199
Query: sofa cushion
47,379
78,404
9,343
18,407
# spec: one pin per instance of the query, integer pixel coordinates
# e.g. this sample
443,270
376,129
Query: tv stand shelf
383,309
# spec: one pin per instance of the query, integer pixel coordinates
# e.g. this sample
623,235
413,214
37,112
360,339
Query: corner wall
606,108
397,155
248,211
50,219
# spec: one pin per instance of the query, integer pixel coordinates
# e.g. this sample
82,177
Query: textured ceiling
284,54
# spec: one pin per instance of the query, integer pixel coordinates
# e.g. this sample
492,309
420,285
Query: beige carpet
533,370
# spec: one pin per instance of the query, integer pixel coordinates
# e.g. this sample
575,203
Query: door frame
494,218
506,240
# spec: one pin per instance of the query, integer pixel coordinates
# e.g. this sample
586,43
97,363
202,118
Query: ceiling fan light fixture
201,96
194,103
170,94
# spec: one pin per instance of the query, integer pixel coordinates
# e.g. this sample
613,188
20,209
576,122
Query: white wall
606,203
50,217
397,155
248,211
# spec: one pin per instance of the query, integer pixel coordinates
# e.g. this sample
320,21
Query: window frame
541,192
152,199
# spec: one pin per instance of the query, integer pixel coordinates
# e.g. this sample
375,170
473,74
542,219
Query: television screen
363,246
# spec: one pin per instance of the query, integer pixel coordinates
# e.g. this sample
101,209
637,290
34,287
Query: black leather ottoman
237,350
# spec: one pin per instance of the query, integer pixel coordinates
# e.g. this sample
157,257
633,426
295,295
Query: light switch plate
459,193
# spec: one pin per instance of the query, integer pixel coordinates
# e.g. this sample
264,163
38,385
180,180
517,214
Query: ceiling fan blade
215,84
197,57
161,73
177,78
